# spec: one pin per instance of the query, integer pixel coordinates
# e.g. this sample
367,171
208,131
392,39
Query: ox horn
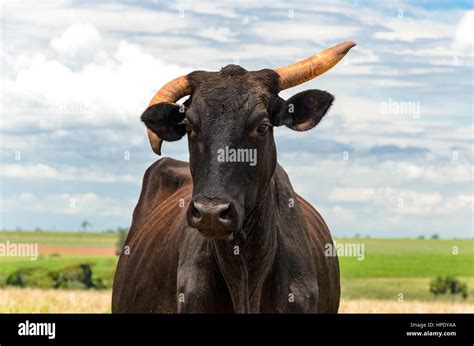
305,70
170,92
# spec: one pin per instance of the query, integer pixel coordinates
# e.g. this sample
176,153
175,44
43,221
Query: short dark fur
281,266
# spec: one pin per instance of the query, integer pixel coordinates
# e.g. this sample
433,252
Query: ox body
219,235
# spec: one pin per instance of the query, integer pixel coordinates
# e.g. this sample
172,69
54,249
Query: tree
85,224
448,284
122,237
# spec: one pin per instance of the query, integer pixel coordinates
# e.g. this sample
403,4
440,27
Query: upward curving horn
170,92
305,70
290,76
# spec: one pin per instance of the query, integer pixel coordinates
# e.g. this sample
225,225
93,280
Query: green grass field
409,258
61,238
103,266
390,267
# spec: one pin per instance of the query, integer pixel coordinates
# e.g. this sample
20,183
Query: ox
224,236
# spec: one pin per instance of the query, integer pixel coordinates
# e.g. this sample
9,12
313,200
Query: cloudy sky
393,158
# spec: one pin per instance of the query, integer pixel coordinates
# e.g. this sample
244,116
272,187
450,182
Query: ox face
229,120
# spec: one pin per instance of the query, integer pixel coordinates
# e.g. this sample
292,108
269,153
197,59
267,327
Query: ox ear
304,110
165,120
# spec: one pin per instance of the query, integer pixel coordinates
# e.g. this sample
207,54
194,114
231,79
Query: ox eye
263,128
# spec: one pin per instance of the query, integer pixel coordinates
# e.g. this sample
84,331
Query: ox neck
257,222
246,262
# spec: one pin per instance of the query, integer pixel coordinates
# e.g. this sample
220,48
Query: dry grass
32,300
409,306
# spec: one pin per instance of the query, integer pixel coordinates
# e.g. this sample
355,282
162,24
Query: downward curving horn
170,92
305,70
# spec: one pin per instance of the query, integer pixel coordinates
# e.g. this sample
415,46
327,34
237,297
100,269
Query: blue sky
393,158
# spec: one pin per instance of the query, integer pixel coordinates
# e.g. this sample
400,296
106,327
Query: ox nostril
212,214
195,212
225,215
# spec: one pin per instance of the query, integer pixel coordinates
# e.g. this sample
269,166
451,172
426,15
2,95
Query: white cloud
380,196
464,33
352,194
411,29
221,35
112,90
207,8
338,213
449,171
299,31
88,203
39,171
52,17
458,203
79,41
403,201
411,201
42,171
371,190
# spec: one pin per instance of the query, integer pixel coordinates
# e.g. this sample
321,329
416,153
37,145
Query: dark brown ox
219,234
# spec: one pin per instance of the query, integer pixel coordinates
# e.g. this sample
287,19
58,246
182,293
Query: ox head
229,119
